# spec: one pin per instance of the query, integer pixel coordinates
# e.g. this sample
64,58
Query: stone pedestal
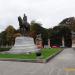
23,45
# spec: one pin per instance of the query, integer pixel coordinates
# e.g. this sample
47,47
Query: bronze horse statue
24,25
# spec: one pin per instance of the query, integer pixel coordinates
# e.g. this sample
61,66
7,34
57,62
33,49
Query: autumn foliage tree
10,31
36,28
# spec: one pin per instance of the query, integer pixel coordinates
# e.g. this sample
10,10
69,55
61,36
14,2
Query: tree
3,41
69,22
10,31
60,32
55,38
45,36
36,28
66,33
49,31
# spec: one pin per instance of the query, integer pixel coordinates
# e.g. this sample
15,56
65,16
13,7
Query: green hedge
4,49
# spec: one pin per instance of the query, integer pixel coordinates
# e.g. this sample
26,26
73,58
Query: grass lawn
46,52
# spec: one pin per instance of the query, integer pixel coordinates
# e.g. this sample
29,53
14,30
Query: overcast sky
47,12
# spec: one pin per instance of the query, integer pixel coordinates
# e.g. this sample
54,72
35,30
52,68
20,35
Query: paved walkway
62,64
